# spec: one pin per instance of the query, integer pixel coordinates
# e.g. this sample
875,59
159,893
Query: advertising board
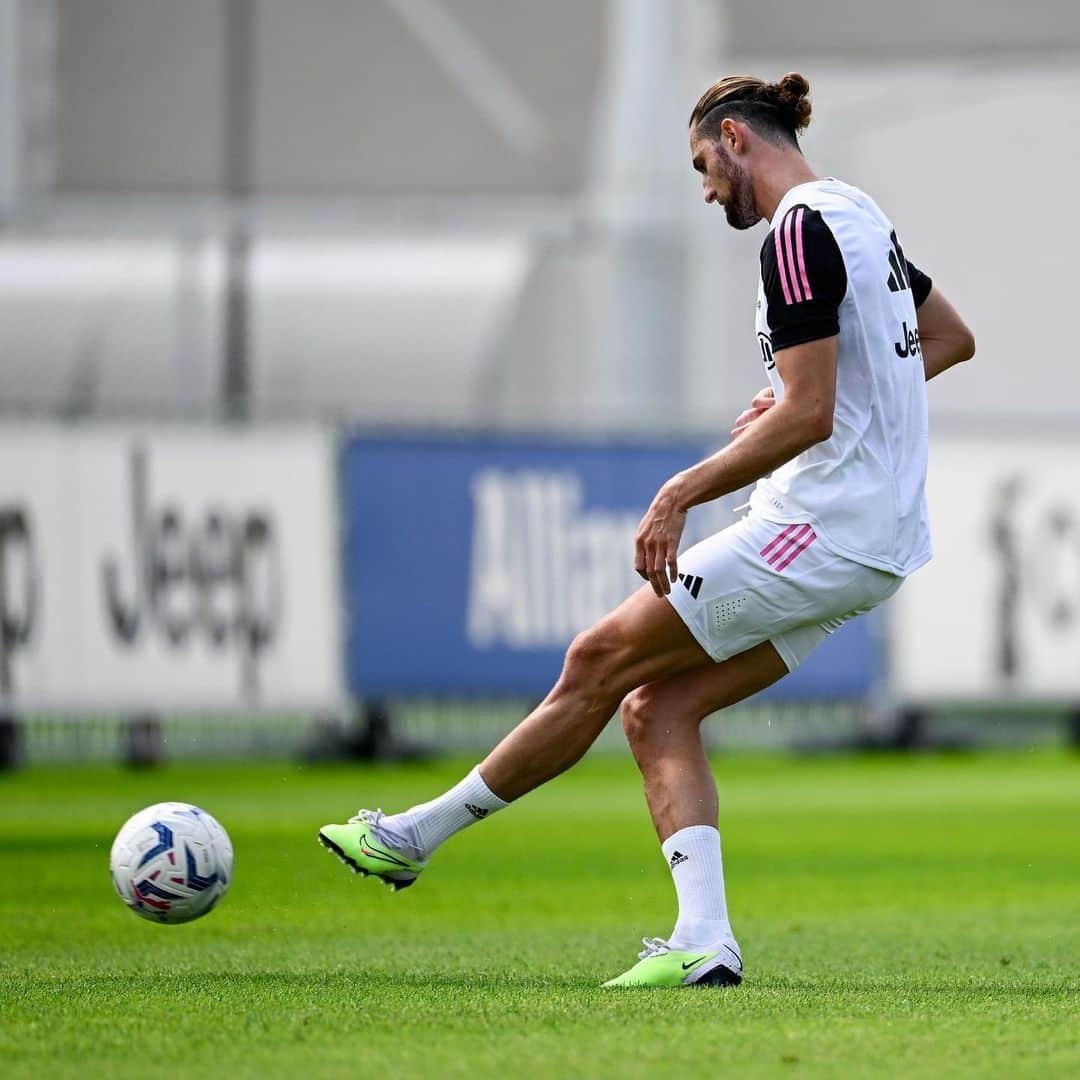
168,568
470,565
996,613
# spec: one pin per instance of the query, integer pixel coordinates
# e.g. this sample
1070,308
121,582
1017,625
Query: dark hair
777,111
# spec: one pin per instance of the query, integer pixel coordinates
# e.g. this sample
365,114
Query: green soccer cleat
660,965
362,846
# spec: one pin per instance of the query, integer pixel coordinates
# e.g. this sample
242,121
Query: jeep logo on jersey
18,588
908,345
214,576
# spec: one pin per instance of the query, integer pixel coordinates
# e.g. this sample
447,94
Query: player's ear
731,136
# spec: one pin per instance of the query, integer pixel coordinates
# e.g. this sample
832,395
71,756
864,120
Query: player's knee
591,663
639,715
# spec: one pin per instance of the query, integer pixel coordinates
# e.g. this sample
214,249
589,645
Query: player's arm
761,402
944,337
803,417
945,340
805,281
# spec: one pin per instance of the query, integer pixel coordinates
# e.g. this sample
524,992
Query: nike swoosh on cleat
688,966
385,856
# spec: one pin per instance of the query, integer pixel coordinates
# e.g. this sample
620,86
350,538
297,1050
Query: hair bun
790,95
794,84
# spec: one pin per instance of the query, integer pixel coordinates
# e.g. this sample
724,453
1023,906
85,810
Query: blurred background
342,344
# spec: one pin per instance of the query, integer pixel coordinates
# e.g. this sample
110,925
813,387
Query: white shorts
763,581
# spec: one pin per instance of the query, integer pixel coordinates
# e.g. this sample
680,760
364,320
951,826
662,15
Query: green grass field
897,915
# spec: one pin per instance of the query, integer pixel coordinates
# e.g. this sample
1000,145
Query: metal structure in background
481,78
238,107
28,149
632,195
10,110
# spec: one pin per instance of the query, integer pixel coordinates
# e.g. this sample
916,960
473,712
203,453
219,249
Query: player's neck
788,170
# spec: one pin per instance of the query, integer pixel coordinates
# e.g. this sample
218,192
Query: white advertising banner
168,569
996,614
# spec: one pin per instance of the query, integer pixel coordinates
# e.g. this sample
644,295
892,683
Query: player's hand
656,544
763,401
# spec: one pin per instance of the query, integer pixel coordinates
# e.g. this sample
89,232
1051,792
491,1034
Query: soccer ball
171,862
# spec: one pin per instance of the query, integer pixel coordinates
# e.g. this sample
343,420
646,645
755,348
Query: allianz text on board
470,564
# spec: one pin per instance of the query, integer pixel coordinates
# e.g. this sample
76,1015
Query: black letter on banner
125,620
1005,541
260,595
16,621
215,565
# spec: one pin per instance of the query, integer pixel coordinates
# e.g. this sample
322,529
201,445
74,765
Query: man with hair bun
848,330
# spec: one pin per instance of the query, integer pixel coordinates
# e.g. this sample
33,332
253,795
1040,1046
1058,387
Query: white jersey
832,264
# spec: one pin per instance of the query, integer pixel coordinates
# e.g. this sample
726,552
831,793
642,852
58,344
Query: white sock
693,854
428,825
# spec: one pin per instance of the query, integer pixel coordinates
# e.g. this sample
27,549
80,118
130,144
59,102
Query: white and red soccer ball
171,862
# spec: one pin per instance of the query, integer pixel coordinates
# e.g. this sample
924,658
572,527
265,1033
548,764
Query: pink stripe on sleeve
780,263
807,294
789,246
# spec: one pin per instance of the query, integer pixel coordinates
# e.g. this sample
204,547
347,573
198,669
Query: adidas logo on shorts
693,584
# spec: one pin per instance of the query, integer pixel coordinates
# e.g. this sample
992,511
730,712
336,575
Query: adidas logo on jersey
693,584
676,858
898,279
477,812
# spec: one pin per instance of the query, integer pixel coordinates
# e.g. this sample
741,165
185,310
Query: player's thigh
690,696
642,640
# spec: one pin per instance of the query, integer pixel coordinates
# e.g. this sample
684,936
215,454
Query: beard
739,209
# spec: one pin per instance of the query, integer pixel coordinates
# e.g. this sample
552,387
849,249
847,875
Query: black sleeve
917,281
920,283
804,278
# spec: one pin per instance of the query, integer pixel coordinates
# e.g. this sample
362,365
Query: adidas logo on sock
477,812
676,858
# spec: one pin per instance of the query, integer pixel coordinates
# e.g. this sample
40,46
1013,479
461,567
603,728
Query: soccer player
849,331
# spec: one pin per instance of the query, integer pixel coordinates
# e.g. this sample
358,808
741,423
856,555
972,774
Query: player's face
725,181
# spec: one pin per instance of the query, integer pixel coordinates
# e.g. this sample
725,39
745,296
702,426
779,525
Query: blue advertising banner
470,565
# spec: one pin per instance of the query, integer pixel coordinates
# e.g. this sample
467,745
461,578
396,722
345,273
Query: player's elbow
808,414
810,420
965,345
959,340
817,424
